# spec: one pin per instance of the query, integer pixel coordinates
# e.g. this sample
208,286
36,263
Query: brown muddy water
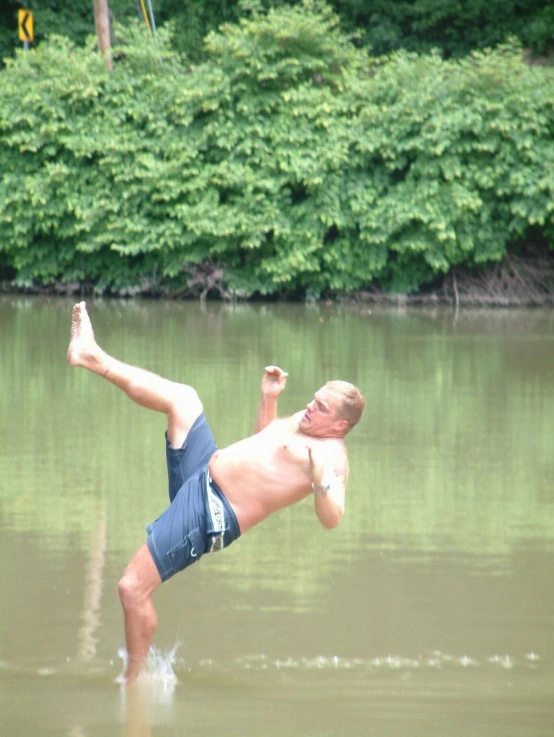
428,612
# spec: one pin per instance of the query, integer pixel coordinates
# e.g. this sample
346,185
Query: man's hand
273,382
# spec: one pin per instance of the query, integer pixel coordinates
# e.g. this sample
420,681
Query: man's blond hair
351,402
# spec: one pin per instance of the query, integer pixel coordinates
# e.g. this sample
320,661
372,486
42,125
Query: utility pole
102,23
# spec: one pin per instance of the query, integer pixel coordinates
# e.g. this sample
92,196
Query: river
428,612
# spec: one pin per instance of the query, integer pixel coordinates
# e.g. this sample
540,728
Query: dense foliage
286,158
455,27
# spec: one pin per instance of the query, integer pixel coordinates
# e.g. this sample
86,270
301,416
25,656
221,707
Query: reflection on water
94,583
429,611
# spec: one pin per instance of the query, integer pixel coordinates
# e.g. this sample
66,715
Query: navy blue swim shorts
199,519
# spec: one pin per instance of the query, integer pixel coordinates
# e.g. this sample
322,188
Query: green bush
461,158
456,27
287,158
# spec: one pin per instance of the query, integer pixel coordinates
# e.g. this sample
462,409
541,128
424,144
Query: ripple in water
436,660
161,665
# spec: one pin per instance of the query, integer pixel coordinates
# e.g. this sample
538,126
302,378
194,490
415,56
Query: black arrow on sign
23,27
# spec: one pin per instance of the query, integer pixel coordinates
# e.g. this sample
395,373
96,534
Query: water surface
429,611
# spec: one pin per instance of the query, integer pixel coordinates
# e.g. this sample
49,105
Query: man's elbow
332,520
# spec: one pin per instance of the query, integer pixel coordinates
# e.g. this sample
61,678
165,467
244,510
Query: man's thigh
195,453
178,537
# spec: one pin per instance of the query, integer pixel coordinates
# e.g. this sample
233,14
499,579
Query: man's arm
329,476
273,383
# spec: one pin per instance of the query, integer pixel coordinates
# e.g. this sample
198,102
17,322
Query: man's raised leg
179,402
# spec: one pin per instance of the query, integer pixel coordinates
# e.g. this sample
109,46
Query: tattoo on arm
337,471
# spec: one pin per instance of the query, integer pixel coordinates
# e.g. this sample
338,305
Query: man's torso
267,471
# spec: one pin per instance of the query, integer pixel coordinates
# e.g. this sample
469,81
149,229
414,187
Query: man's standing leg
182,406
135,590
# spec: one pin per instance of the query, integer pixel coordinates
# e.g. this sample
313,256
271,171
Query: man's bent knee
186,401
140,579
185,408
128,592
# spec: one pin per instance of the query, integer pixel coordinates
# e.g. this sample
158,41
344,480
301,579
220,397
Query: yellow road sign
26,30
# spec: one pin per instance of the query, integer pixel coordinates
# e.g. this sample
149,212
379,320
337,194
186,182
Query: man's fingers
275,370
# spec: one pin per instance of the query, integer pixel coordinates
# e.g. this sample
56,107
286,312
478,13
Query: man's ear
342,425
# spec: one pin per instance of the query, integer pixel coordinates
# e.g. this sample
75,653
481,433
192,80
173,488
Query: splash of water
158,667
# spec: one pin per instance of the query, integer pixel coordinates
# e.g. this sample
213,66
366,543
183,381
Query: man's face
320,418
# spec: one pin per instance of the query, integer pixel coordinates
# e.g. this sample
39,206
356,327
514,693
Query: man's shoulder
281,424
292,422
334,446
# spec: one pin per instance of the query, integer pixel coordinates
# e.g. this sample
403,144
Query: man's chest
293,449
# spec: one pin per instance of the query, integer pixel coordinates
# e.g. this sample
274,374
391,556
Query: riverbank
516,281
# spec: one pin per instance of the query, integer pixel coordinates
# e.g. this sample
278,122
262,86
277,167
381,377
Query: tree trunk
102,23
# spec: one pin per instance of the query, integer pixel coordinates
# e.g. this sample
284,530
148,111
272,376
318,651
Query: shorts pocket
187,552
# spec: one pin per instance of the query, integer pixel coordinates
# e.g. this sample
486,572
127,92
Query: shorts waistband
223,526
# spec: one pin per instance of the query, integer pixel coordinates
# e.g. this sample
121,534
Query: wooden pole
102,23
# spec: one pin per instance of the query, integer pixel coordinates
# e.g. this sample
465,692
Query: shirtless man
217,495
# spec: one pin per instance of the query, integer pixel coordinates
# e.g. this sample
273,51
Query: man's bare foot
83,349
